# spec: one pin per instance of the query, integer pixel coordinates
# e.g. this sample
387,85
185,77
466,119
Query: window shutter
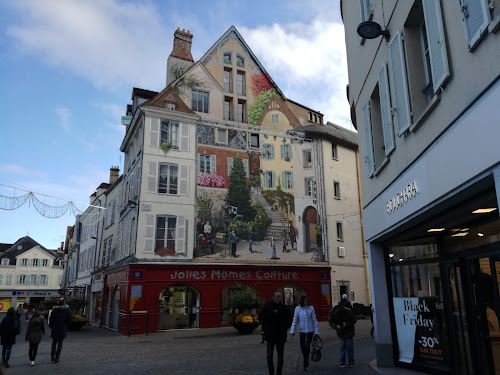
213,164
138,180
199,163
273,182
283,180
183,179
266,180
385,105
154,134
180,237
126,251
272,152
365,9
399,84
229,166
289,151
245,165
475,17
149,234
290,177
184,141
437,43
368,138
132,185
282,152
152,177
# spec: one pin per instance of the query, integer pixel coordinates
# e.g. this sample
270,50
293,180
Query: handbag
317,345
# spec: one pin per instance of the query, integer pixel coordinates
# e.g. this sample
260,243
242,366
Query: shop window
292,293
179,307
307,156
167,183
165,232
225,297
170,133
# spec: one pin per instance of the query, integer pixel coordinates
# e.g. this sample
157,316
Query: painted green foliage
238,193
256,109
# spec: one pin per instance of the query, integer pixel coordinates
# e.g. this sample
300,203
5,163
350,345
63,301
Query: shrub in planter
77,322
241,302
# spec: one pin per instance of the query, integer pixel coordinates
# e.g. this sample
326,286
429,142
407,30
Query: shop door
475,305
179,308
116,308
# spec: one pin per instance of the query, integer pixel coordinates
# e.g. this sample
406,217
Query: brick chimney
181,57
182,45
113,174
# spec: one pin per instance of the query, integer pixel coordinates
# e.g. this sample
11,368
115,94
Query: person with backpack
305,317
342,319
9,329
34,332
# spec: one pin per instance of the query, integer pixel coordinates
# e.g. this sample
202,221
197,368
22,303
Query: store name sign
409,192
233,275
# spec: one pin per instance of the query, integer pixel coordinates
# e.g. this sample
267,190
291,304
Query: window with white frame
165,232
366,10
5,262
45,262
286,151
35,262
33,280
170,133
21,279
207,163
309,187
334,151
168,179
287,180
171,106
307,159
8,280
43,279
199,101
267,152
269,179
221,135
275,118
340,233
336,189
24,262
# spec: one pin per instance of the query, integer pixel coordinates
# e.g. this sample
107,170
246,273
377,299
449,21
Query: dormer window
227,58
240,61
5,262
171,106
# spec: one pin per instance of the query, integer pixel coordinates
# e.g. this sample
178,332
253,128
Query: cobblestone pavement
98,351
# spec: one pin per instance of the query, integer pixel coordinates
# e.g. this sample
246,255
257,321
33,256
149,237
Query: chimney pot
182,45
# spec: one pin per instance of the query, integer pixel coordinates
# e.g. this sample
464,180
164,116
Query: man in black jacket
342,319
59,321
276,320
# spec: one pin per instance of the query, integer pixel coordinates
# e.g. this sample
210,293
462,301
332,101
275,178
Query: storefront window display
418,304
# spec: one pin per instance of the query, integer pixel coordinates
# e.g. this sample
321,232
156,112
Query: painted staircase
278,221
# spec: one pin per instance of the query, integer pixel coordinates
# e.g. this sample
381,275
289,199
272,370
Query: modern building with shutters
424,96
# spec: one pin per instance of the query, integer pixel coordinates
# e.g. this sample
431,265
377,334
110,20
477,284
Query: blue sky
68,68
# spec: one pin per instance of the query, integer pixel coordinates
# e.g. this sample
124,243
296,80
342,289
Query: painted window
254,140
171,106
269,179
240,61
230,165
227,80
221,135
287,180
241,111
267,151
286,151
170,133
240,83
227,58
1,279
199,101
309,187
307,159
167,183
5,262
275,118
228,110
165,232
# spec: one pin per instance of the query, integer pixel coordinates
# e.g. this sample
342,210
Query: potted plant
243,303
77,322
165,147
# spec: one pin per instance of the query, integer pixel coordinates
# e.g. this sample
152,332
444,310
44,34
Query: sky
67,69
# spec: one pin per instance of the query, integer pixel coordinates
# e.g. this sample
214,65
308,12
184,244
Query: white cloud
19,170
107,42
308,62
64,116
114,112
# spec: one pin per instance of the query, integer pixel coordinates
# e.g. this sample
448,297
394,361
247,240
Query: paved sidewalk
201,351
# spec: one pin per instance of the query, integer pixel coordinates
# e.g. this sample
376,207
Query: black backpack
317,345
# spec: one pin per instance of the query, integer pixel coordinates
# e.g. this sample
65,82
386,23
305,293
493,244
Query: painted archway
309,221
179,307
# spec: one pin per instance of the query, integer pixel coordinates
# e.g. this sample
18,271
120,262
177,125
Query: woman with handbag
305,318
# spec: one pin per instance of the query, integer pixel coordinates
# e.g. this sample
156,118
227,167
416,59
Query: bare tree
185,83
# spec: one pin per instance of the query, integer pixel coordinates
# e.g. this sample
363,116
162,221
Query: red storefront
196,295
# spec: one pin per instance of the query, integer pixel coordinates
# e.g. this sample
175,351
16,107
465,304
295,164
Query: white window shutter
213,164
180,236
283,180
149,234
154,134
245,165
476,20
385,106
127,238
289,147
152,177
274,179
138,179
436,41
282,152
184,141
399,84
272,151
229,165
368,137
183,179
132,185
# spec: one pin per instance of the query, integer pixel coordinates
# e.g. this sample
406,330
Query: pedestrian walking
342,319
272,248
251,238
10,327
27,310
276,320
19,311
305,319
59,321
34,332
234,240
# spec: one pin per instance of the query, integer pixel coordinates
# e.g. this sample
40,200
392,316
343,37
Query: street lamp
372,30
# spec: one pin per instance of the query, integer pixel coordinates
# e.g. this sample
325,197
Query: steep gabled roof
20,246
278,104
232,32
331,132
168,94
143,93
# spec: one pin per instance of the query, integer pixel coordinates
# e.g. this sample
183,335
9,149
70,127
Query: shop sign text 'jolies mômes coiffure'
233,275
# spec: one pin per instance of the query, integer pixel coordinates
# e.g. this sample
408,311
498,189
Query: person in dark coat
9,329
59,322
34,332
342,319
276,319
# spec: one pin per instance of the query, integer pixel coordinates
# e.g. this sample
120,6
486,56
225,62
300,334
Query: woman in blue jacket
305,317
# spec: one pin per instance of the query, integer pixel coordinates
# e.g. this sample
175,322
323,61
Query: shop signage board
407,193
420,331
217,274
